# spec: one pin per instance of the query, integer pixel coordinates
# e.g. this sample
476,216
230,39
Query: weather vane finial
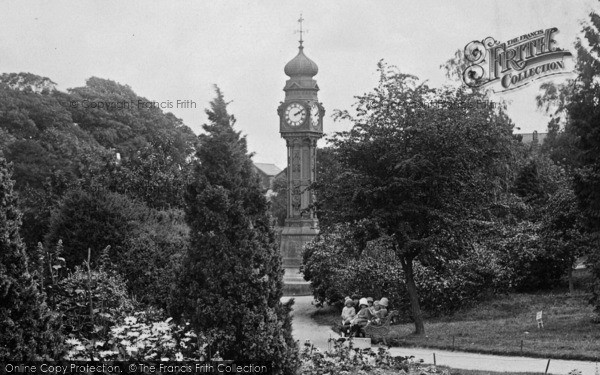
301,31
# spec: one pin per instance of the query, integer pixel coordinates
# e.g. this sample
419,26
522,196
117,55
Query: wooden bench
382,329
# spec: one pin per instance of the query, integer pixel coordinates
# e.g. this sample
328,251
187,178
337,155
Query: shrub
146,244
594,263
345,359
336,267
520,249
151,256
92,220
109,302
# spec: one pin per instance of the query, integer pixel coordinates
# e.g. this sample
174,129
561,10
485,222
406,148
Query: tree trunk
571,288
411,288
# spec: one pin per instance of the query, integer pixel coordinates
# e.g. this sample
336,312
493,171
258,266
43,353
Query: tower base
293,239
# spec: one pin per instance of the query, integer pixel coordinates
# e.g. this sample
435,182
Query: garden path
305,328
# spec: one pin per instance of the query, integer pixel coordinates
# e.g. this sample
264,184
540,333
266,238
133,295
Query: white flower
106,353
125,342
130,320
160,327
131,349
179,356
73,342
80,347
117,330
133,333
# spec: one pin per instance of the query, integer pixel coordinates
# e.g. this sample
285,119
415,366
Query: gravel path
304,328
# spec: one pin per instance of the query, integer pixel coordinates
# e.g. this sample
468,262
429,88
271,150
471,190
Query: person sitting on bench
361,319
383,306
348,312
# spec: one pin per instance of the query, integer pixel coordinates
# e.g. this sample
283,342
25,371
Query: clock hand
297,113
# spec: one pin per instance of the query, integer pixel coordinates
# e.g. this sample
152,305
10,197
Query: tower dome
301,66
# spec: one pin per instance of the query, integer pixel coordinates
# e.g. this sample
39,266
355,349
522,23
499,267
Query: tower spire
301,31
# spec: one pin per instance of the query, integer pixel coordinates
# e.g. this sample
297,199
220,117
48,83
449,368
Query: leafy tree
119,119
151,175
231,281
584,115
28,329
577,101
455,66
418,162
49,152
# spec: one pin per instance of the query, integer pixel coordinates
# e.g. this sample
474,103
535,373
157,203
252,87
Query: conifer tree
231,284
28,329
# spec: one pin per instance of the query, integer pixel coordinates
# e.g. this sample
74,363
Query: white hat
363,301
384,302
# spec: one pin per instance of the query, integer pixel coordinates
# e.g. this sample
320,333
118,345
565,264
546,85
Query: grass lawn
498,326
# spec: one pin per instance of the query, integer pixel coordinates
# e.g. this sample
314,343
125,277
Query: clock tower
301,125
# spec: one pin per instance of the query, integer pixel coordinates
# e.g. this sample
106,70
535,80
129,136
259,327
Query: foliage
577,145
28,329
151,175
337,267
521,250
47,149
104,290
60,140
147,245
584,117
564,230
345,359
527,184
93,220
278,207
127,122
417,163
230,284
141,337
152,254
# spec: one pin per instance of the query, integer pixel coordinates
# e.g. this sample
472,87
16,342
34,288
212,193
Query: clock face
295,114
314,115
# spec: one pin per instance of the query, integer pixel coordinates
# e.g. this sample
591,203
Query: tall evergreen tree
231,284
28,330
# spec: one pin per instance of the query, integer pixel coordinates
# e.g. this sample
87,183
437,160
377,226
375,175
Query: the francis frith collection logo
514,63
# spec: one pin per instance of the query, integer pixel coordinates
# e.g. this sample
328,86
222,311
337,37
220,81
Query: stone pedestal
293,240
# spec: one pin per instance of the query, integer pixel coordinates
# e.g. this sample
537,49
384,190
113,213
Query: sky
178,50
